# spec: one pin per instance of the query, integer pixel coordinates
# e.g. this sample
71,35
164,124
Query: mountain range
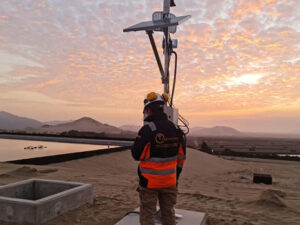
215,131
11,122
132,128
84,124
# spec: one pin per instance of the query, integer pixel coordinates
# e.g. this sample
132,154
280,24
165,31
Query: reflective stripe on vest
151,125
161,160
181,157
158,172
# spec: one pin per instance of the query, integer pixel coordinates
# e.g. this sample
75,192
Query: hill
84,124
56,122
215,131
132,128
10,121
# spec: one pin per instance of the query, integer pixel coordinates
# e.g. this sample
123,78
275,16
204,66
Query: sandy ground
220,187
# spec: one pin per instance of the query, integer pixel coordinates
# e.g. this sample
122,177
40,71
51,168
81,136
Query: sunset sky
239,61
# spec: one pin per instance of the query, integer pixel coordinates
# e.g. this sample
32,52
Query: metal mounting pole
167,6
165,79
165,22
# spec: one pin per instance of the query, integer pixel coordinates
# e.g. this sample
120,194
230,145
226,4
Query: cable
185,124
181,118
174,79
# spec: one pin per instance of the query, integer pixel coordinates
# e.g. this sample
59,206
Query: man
160,148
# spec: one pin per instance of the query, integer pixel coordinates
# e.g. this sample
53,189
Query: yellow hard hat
155,97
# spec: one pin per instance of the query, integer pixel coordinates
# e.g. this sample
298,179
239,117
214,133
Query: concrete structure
69,140
36,201
184,217
45,160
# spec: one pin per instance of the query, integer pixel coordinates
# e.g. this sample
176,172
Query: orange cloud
87,59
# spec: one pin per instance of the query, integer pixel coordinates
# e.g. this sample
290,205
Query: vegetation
281,149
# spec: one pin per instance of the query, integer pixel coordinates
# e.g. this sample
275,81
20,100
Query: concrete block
36,201
184,217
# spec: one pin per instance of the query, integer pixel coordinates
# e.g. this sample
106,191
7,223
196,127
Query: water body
14,149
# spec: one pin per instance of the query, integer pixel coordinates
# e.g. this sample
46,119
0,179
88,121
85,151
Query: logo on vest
160,138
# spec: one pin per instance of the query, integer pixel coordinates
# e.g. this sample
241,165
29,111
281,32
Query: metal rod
150,32
167,62
165,79
166,6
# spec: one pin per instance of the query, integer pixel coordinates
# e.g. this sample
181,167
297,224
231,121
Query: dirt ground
222,188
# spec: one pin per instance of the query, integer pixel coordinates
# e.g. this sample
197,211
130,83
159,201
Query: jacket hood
159,116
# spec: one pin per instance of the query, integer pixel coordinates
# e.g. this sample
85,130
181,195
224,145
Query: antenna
166,22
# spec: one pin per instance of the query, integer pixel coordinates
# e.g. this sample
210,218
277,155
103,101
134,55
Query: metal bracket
161,70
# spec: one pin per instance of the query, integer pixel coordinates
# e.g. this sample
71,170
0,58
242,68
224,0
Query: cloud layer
237,59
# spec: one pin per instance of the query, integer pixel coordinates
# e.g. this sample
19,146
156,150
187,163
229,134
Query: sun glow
248,79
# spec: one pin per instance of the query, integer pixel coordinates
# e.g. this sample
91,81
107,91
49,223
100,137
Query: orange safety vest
161,171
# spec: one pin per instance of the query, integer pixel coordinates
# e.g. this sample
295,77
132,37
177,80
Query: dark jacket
161,149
